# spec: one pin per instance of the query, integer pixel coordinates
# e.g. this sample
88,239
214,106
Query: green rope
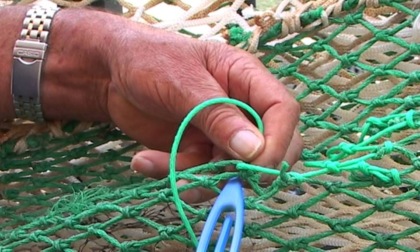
325,167
177,141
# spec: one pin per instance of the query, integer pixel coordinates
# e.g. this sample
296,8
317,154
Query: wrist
76,72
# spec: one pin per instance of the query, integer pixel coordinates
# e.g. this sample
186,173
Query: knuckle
216,118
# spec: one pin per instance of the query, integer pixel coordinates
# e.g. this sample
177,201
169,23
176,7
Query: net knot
384,241
409,102
378,102
295,211
287,71
125,247
332,167
310,123
314,85
70,223
340,226
351,19
386,149
414,76
378,71
347,129
17,234
94,231
36,236
139,193
395,176
293,178
212,167
45,220
59,245
348,59
363,167
166,232
376,121
383,205
296,244
349,96
414,48
163,196
383,35
252,203
409,118
347,148
318,46
333,187
126,212
252,229
208,182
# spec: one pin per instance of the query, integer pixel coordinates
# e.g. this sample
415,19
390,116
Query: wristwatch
29,53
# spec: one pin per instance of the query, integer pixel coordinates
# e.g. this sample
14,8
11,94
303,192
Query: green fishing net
354,68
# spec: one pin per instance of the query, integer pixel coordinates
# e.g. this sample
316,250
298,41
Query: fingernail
245,143
142,165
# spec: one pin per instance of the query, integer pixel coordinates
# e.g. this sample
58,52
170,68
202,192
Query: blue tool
231,199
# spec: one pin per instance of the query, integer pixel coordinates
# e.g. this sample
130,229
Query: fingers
225,125
197,194
229,129
295,149
153,132
154,164
140,126
248,80
280,123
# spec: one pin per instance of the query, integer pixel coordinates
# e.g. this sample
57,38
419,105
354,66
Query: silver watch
29,53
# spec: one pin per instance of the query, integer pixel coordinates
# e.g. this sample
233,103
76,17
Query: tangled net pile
354,67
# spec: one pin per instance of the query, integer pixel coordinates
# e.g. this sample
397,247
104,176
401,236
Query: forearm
75,73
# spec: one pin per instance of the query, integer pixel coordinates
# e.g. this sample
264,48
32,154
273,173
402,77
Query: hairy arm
103,67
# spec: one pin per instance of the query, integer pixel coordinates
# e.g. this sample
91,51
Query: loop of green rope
175,147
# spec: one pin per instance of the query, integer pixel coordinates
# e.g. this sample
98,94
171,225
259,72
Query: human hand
146,80
158,77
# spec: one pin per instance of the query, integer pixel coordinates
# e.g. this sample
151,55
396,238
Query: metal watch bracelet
28,56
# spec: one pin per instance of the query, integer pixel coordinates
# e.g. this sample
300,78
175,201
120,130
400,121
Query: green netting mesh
354,67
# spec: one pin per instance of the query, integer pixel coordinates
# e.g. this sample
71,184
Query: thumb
228,128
